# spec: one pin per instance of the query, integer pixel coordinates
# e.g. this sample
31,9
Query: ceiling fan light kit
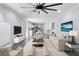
43,7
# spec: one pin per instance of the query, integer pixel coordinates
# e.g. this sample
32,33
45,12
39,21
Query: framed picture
67,26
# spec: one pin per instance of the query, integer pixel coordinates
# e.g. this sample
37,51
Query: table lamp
73,34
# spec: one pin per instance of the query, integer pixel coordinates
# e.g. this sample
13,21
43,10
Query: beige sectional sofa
59,43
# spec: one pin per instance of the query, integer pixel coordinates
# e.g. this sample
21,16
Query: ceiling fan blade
38,12
34,10
31,4
51,9
54,4
37,4
44,11
27,7
43,3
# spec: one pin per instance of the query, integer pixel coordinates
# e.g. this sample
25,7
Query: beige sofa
59,43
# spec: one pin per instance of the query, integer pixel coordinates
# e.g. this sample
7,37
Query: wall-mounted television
17,29
67,26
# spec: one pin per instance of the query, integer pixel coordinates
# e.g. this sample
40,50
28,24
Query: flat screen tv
67,26
17,29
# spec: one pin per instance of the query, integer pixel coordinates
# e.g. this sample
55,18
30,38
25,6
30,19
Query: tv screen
67,26
17,29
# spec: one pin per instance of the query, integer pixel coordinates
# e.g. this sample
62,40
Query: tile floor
47,50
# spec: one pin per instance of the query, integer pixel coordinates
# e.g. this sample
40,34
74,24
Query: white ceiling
42,17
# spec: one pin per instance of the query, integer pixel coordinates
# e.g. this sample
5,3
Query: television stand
18,39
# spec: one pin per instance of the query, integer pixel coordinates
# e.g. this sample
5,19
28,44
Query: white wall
46,27
28,32
4,34
13,18
72,15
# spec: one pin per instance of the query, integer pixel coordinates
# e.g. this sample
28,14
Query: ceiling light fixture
44,7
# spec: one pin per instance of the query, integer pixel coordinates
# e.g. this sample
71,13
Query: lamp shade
73,33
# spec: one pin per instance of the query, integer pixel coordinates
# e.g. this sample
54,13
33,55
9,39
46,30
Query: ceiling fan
43,7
